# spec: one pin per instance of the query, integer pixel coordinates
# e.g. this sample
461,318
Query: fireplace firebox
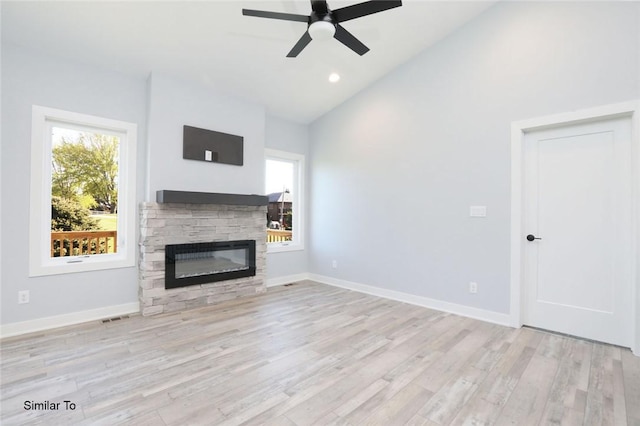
201,263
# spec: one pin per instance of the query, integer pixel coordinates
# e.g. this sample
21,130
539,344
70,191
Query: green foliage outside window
86,170
69,215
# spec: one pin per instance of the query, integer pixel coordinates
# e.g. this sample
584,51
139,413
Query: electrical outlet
23,296
473,287
334,264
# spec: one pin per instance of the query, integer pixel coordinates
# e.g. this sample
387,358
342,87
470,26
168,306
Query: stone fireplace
198,219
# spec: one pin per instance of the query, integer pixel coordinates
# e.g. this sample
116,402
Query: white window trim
298,201
40,261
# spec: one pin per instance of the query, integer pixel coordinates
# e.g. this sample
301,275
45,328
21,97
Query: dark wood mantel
167,196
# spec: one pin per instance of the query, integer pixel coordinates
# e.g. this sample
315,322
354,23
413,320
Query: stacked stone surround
162,224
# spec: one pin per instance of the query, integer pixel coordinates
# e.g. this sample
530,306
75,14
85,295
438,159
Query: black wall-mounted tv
211,146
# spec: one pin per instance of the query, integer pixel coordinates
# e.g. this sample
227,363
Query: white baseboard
40,324
288,279
439,305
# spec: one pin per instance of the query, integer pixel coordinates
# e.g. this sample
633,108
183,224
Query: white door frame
518,129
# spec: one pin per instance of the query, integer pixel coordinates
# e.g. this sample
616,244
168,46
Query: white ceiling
212,43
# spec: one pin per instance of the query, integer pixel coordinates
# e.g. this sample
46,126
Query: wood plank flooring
312,354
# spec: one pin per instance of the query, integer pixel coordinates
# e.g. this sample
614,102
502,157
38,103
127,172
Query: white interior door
578,202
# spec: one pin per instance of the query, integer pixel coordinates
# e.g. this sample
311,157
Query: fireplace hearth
201,263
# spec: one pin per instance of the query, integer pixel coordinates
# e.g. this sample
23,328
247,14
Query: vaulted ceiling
212,43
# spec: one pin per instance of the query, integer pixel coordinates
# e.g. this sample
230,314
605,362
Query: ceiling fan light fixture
324,23
322,30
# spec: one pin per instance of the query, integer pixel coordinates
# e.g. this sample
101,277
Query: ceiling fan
325,23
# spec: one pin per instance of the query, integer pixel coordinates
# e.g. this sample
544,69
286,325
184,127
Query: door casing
629,109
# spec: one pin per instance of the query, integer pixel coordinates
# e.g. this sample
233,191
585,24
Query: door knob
532,237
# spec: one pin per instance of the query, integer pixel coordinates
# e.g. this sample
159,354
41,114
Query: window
284,187
83,181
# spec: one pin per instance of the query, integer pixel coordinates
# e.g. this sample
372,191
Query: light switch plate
478,211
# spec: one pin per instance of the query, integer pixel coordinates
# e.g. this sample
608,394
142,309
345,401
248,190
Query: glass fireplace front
200,263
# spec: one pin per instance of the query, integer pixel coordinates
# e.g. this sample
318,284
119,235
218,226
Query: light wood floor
314,354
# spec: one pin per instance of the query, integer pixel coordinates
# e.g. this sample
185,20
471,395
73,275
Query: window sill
282,248
80,264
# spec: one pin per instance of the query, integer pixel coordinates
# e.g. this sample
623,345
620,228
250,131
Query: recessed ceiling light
334,77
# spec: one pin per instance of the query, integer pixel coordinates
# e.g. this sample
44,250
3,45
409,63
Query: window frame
40,261
297,204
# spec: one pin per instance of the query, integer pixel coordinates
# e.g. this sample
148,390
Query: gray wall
392,172
161,105
291,137
173,104
405,158
32,78
1,275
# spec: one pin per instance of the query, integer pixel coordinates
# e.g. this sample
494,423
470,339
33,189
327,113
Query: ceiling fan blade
275,15
363,9
301,44
349,40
